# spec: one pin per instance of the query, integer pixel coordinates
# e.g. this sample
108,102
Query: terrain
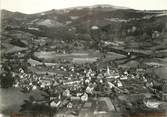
125,35
129,38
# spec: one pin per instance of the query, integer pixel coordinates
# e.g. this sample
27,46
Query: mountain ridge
79,8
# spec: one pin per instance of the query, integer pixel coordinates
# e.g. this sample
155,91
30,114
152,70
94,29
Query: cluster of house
80,83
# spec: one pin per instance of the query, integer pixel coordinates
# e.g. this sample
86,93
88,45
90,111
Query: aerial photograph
83,58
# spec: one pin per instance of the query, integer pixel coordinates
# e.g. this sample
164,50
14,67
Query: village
68,88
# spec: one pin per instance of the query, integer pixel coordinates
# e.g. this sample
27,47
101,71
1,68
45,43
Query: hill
101,27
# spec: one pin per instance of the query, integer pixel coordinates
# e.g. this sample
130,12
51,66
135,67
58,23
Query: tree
6,77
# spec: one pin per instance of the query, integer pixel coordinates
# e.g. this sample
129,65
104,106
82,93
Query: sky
35,6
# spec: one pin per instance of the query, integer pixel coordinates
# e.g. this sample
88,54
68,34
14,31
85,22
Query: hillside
101,27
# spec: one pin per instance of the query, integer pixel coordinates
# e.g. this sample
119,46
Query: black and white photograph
83,58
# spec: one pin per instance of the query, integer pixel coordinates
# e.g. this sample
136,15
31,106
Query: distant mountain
96,6
58,18
86,25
